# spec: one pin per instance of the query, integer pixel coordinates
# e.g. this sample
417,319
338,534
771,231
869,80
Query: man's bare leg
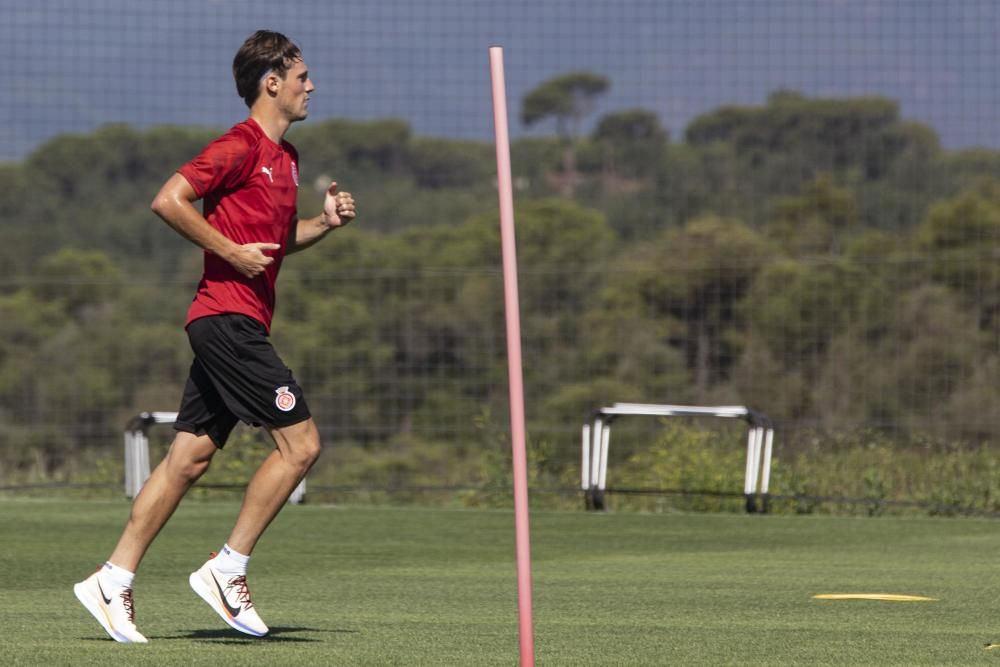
107,594
297,449
186,460
221,582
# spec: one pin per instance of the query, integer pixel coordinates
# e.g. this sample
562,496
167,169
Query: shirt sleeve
223,165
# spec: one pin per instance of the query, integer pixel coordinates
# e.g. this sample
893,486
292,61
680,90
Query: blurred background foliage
824,261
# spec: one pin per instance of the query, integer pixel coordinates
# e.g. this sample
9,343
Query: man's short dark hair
263,51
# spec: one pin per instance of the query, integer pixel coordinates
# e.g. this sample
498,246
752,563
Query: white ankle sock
113,576
230,562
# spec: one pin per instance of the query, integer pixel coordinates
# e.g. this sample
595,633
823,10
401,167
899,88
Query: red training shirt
249,187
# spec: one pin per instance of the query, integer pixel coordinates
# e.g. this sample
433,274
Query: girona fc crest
285,400
295,174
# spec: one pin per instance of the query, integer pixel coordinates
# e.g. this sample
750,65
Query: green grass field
390,586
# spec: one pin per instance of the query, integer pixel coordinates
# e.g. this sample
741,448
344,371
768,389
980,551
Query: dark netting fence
793,206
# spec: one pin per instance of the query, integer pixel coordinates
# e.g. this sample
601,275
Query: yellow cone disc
890,597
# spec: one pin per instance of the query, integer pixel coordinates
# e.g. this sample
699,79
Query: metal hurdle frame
596,438
137,453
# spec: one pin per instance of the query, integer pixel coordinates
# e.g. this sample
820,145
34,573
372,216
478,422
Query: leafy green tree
814,222
562,251
696,276
697,181
442,163
958,170
797,307
26,322
900,196
833,134
793,139
22,211
568,99
962,237
346,149
78,279
532,160
905,377
631,142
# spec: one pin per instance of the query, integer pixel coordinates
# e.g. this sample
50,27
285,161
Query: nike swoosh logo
233,611
107,600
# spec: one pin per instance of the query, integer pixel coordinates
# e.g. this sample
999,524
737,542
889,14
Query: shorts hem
198,431
188,428
292,422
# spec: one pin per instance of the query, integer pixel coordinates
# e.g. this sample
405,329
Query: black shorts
236,376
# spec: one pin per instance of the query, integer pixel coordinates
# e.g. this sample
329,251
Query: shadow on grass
227,636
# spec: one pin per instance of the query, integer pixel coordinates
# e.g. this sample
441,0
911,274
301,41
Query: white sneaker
229,597
113,609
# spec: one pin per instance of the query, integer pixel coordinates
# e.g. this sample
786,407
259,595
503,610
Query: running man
248,179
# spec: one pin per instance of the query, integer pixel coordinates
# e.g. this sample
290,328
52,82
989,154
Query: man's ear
271,83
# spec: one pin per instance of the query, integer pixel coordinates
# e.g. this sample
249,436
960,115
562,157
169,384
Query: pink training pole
516,380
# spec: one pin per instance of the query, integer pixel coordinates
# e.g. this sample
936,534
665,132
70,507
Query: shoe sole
97,611
199,586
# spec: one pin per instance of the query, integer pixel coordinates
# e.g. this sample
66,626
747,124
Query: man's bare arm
338,210
175,205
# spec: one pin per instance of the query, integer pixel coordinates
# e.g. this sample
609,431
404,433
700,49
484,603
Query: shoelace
129,604
239,583
242,591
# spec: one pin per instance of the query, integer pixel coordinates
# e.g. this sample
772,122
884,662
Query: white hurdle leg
751,460
144,471
595,452
299,493
754,449
129,471
766,465
605,441
758,452
136,462
141,458
585,458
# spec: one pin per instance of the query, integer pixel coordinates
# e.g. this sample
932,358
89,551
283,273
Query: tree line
823,260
